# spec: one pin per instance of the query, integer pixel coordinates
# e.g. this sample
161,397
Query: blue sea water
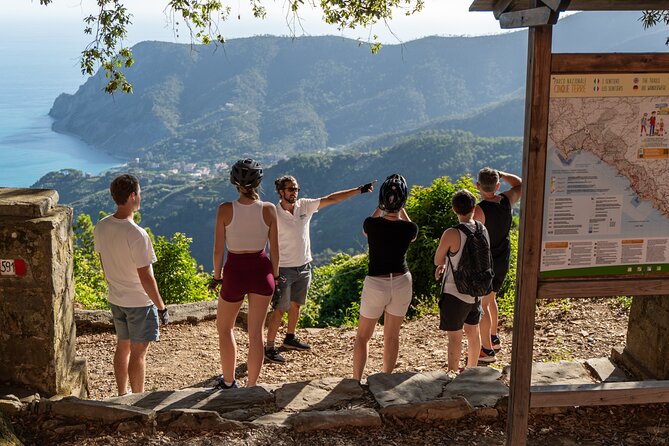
32,74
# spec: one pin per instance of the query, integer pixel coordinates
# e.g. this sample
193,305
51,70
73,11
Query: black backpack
474,274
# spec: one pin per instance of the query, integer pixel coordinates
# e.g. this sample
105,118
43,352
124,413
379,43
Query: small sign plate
12,267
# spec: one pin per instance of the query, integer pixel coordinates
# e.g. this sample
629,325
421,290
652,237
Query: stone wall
647,351
37,329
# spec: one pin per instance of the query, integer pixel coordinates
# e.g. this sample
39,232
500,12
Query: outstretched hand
367,187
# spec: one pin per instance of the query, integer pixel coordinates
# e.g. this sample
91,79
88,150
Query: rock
106,412
10,407
202,398
563,372
430,410
50,424
407,387
487,413
30,398
606,371
480,386
10,397
7,436
275,419
321,420
321,394
244,414
93,318
126,427
200,420
65,430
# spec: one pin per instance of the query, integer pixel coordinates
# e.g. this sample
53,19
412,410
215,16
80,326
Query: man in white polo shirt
294,216
126,254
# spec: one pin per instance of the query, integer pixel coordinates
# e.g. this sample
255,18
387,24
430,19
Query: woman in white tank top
244,227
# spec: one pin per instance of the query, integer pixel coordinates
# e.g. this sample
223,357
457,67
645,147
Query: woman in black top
387,287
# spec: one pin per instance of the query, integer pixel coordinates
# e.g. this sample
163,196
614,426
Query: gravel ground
187,355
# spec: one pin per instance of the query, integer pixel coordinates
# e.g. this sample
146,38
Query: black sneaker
273,355
221,385
294,343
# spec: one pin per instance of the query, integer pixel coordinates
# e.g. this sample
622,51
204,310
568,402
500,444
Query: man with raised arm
294,217
494,211
126,254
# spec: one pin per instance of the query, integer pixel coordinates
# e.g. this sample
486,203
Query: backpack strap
463,227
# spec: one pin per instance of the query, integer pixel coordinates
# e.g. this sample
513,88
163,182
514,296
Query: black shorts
500,266
454,313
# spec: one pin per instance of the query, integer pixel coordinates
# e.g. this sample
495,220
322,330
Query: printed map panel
606,208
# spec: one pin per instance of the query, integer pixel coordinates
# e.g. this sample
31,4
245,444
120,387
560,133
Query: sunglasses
292,189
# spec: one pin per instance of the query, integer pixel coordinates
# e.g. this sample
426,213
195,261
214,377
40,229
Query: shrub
179,278
334,296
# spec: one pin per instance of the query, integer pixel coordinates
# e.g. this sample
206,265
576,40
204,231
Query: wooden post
529,250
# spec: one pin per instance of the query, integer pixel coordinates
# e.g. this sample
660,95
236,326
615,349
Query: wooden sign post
557,259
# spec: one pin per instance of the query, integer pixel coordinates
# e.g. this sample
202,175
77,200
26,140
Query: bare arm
149,284
445,244
269,214
219,241
336,197
516,184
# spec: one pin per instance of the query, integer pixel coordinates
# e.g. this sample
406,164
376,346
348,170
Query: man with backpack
494,211
463,256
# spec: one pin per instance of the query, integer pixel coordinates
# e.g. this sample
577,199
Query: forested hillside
180,203
272,97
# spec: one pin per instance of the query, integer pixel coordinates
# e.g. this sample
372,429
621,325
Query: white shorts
392,294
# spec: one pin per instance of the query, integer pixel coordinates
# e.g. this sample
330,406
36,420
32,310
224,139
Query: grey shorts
139,324
293,287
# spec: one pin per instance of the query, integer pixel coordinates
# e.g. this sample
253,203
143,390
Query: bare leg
226,315
137,365
473,345
486,320
121,359
391,341
361,348
494,314
257,312
454,349
274,324
293,317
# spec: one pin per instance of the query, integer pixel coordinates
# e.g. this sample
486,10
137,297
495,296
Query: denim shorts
139,324
293,288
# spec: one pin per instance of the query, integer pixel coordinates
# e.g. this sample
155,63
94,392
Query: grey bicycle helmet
393,193
246,173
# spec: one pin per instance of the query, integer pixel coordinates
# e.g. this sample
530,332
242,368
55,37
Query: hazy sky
62,20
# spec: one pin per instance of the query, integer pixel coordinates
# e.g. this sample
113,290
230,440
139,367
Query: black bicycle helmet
393,193
246,173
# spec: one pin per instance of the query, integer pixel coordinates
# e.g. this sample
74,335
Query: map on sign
606,207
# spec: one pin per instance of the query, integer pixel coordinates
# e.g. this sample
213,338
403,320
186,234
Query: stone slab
605,370
337,419
274,419
103,411
562,372
196,420
28,203
321,394
480,386
408,387
431,410
10,407
204,398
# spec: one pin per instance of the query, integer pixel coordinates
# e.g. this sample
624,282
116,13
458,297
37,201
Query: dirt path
187,355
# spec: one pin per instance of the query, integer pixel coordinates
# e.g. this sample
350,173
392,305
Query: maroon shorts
247,273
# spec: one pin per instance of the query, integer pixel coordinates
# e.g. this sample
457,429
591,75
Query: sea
33,73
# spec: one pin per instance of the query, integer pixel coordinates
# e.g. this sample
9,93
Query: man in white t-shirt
126,254
294,216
